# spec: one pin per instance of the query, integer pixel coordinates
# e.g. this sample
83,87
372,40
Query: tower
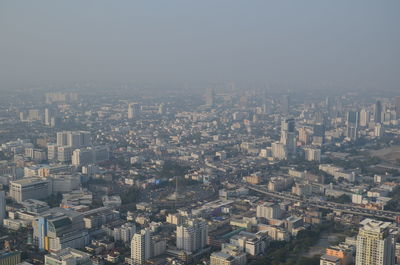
375,243
2,206
141,247
210,97
397,107
285,105
288,135
134,110
378,112
192,236
352,125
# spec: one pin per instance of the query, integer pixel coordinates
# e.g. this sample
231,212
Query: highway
346,208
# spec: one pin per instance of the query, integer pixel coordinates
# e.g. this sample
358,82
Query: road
346,208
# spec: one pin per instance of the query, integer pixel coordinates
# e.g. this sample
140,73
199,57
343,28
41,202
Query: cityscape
209,172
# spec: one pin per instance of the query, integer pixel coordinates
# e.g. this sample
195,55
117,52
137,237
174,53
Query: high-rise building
312,154
125,232
279,151
364,117
192,235
85,156
378,111
58,228
379,130
64,153
2,206
141,247
134,110
375,243
269,210
47,116
397,107
74,139
352,125
210,97
288,135
285,105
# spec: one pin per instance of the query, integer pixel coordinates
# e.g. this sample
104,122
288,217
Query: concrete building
30,188
141,247
10,258
125,232
312,154
375,243
68,256
134,110
329,260
228,256
192,235
252,244
269,210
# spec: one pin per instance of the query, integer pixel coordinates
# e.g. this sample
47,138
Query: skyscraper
352,125
377,112
397,107
48,114
285,105
288,135
210,97
364,117
375,243
2,206
141,247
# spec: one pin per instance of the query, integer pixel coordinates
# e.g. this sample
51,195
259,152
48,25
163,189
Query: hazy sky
352,43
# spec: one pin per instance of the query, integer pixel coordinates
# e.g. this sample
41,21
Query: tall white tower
375,243
141,247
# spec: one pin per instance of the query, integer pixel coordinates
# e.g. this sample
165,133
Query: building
141,247
269,210
64,153
378,112
2,206
192,235
59,228
352,125
210,97
379,130
253,244
312,154
375,243
279,151
342,251
125,232
329,260
285,105
397,107
364,117
90,155
134,110
30,188
288,135
231,255
74,139
10,258
67,256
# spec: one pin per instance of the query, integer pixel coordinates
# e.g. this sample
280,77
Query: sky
311,43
